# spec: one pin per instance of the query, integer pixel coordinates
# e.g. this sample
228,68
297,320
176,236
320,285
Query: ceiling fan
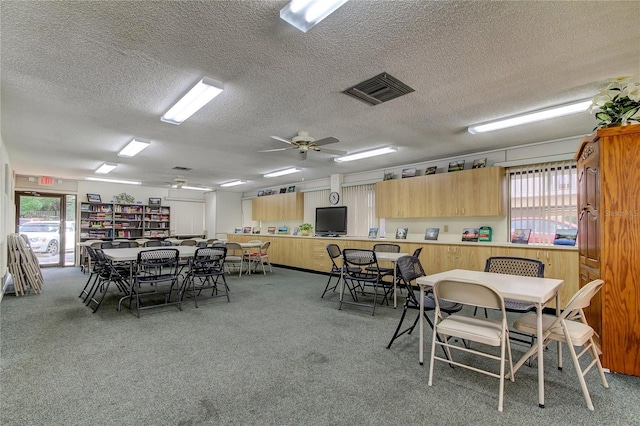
303,143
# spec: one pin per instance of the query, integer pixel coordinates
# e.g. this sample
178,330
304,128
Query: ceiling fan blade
333,151
275,149
326,141
278,138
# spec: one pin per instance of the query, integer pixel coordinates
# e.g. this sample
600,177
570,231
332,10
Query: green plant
305,227
618,103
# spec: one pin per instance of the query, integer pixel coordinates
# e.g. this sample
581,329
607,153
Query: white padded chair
261,257
572,329
235,256
472,328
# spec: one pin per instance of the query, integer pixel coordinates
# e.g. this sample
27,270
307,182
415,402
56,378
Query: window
543,198
361,208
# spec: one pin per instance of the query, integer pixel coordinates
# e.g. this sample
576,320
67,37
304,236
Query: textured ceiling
80,79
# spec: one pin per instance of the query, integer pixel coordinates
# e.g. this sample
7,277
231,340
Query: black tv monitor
331,221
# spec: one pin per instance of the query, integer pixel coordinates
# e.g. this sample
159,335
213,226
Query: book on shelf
373,233
565,237
431,233
401,233
521,236
470,235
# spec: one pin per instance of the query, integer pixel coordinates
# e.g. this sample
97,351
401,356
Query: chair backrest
153,243
409,268
255,241
211,258
201,244
471,293
233,248
133,244
581,299
264,248
96,244
158,257
212,240
115,244
188,242
416,252
515,266
386,247
359,257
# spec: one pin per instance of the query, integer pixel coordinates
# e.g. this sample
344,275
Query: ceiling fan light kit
366,154
304,14
197,97
531,117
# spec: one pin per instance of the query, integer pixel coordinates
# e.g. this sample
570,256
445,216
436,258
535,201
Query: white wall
7,212
228,207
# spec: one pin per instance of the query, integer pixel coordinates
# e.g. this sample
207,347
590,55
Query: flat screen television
331,221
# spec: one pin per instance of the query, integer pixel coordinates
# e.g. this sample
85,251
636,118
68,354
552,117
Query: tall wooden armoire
609,241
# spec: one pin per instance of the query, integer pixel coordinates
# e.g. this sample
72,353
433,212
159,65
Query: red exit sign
46,180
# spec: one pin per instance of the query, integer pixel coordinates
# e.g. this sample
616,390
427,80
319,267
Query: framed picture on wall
155,201
94,198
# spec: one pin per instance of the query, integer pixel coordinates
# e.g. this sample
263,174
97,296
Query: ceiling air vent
182,169
379,89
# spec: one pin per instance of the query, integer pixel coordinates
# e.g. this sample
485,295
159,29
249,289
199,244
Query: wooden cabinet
609,241
476,192
440,257
289,206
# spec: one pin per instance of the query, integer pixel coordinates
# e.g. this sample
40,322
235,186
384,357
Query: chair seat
518,306
482,330
578,332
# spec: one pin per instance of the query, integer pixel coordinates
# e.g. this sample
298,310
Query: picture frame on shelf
401,233
565,237
261,193
470,235
155,201
521,236
283,190
296,230
292,188
246,230
373,233
431,234
408,173
479,163
431,170
94,198
238,230
456,166
271,230
256,230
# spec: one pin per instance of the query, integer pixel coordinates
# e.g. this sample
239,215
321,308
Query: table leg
539,308
421,344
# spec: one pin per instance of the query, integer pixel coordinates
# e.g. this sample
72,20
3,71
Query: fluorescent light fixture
126,182
282,172
531,117
233,183
366,154
199,95
106,168
133,148
304,14
196,188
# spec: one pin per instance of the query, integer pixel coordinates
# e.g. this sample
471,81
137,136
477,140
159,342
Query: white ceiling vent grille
379,89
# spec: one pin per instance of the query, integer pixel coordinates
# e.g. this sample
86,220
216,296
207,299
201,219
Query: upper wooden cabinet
289,206
475,192
609,241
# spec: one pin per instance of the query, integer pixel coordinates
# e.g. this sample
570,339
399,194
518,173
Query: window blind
361,208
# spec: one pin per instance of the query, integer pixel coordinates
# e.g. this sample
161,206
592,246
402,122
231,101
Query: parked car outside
44,236
543,231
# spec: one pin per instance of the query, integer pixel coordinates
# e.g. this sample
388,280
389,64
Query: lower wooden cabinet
310,253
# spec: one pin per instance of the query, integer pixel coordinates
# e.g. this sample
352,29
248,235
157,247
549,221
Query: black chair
156,277
153,243
387,248
205,269
201,244
410,268
368,276
115,244
107,274
94,273
516,266
336,271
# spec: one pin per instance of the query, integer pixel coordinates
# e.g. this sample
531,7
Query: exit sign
46,180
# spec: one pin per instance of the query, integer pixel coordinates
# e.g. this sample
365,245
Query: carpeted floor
277,354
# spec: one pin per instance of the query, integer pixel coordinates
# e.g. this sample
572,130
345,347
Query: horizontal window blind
543,199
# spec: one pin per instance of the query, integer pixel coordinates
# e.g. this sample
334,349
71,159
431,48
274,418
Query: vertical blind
313,199
543,198
361,208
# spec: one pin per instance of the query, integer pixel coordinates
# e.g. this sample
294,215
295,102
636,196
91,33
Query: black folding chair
206,267
367,275
107,274
336,271
156,277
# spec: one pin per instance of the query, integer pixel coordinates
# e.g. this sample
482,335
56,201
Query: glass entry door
48,221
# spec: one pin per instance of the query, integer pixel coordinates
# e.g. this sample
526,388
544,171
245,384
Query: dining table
535,290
